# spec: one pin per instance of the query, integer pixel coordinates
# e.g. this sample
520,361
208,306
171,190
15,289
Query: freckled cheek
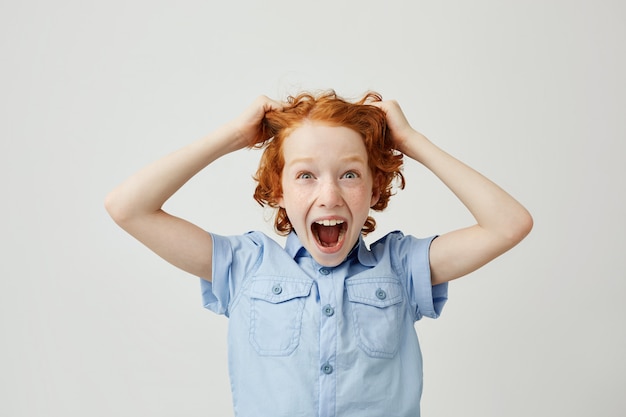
296,200
300,195
358,195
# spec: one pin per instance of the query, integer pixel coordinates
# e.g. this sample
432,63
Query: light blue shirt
312,341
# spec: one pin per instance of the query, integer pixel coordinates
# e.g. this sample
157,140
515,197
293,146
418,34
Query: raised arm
136,204
502,222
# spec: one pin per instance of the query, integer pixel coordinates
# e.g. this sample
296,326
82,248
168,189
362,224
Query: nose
329,195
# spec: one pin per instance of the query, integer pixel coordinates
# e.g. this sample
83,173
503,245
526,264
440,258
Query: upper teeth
327,222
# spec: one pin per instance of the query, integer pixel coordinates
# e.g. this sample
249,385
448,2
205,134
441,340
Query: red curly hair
327,108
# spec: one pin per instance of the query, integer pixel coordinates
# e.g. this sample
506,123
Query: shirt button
328,310
277,289
381,294
327,368
324,271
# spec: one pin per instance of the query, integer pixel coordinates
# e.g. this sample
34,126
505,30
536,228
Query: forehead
317,140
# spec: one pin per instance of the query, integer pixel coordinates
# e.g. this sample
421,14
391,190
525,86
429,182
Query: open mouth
329,233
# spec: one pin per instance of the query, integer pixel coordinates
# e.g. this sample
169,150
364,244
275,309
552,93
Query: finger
273,105
383,105
268,104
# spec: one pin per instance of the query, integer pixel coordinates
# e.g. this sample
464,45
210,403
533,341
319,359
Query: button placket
328,313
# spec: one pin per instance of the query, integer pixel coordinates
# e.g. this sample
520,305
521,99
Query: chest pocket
376,306
276,306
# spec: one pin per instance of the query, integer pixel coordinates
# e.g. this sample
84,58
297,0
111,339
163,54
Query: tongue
329,234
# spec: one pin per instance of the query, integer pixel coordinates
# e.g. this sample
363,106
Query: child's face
327,189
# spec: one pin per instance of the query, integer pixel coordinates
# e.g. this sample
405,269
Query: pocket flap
377,292
279,289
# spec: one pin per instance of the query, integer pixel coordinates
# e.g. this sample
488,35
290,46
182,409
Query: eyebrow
345,159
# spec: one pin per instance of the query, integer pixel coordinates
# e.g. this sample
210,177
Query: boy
323,327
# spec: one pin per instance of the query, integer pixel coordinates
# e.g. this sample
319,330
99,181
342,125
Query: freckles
359,193
297,197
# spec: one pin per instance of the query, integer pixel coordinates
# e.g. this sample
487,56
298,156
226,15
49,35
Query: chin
332,256
330,261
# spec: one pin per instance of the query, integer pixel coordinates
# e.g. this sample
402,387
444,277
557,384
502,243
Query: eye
350,175
305,176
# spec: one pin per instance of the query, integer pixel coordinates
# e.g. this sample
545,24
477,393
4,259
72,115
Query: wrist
411,143
230,137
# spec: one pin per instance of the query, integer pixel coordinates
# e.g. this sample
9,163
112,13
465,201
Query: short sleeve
234,257
413,254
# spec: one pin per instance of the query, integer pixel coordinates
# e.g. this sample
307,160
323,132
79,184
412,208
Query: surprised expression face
327,189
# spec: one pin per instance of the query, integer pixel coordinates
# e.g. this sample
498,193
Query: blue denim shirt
312,341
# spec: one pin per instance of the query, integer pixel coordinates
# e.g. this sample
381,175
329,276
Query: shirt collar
294,248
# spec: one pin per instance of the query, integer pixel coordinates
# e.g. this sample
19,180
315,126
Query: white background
531,93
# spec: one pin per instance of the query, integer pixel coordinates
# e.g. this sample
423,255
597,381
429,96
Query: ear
375,197
375,192
280,202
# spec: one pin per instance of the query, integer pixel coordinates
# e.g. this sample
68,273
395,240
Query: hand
399,127
249,124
